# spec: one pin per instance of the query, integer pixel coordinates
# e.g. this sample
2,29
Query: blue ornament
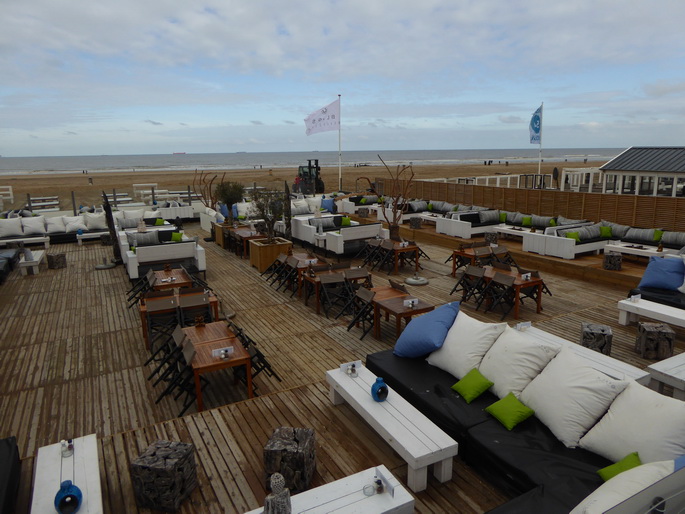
68,498
379,390
79,231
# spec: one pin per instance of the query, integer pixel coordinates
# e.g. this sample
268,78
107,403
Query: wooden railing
637,211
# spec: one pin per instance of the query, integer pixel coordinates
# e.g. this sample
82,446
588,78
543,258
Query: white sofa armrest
200,258
131,261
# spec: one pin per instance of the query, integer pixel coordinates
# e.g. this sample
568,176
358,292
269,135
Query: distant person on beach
298,180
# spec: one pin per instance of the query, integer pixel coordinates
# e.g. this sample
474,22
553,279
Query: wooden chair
499,293
471,283
363,307
333,291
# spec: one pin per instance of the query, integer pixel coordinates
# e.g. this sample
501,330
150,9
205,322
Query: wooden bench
670,372
33,265
411,434
82,468
630,311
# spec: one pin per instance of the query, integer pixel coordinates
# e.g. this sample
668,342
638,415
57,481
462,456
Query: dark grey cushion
561,220
128,222
673,238
143,238
489,216
418,206
463,208
542,221
325,223
616,229
437,205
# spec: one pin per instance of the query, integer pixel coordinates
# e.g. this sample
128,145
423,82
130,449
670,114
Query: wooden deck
73,365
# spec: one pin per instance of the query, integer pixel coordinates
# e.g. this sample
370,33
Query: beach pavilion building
648,171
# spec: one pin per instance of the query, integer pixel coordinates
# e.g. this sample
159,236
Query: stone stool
292,453
363,212
491,237
654,340
106,240
57,260
597,337
164,475
612,261
415,222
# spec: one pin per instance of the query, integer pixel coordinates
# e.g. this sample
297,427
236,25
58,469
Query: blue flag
536,127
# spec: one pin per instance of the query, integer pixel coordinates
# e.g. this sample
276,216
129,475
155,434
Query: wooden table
315,281
214,336
411,434
142,311
245,235
398,254
519,284
171,279
396,307
467,253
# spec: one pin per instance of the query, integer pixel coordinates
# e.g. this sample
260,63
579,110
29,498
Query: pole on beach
540,147
28,202
114,198
340,146
73,202
190,197
153,195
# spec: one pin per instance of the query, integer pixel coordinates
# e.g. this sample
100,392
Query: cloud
152,122
511,119
256,122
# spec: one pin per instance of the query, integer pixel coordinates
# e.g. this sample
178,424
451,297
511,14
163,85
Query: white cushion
643,421
137,213
118,215
74,224
11,227
55,225
569,396
623,486
466,342
514,360
34,225
313,204
152,214
95,221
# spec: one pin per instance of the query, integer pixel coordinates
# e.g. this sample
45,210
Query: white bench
346,496
608,365
33,265
88,235
670,372
411,434
28,240
629,311
82,468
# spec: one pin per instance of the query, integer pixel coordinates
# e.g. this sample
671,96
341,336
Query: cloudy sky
159,76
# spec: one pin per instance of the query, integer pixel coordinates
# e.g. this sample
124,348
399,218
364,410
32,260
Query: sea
272,160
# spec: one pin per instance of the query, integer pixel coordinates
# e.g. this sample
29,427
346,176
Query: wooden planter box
263,254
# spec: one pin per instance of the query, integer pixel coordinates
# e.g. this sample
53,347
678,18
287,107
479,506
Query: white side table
31,267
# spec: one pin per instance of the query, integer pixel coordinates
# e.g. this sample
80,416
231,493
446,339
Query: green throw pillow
509,411
159,221
502,217
346,221
472,385
176,237
552,222
573,235
657,235
605,232
362,201
241,217
628,462
527,221
455,208
430,206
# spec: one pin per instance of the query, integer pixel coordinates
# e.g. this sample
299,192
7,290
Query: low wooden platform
73,364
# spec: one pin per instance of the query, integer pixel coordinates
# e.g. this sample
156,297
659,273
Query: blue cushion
664,273
234,209
679,463
426,333
223,209
328,204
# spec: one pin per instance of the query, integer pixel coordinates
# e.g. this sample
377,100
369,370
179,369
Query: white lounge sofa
347,239
163,253
463,224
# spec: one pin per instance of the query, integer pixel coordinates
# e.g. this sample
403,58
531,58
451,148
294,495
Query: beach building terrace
74,354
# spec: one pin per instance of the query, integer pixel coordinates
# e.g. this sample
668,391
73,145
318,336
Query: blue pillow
663,273
223,209
679,463
234,210
426,333
328,204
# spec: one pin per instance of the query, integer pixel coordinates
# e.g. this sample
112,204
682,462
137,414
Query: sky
161,76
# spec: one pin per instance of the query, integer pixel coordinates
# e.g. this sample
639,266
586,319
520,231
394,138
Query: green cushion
628,462
362,201
527,221
159,221
502,217
346,221
573,235
430,206
176,237
472,385
509,411
552,222
657,235
241,217
605,231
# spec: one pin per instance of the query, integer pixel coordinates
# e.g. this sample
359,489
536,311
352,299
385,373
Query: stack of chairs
144,285
470,282
385,256
258,361
193,305
502,254
363,311
333,292
499,294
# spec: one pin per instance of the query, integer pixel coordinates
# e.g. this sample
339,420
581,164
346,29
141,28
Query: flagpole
542,105
339,146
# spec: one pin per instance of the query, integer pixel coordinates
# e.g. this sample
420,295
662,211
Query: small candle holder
167,267
199,321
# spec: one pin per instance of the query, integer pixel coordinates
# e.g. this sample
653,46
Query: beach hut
648,171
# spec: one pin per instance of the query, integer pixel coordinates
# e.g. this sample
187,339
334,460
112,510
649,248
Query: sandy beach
86,193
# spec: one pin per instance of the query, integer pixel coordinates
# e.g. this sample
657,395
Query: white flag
536,127
324,119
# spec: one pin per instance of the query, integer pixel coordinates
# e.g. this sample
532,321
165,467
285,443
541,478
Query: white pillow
623,486
514,360
644,421
137,213
95,221
569,396
466,342
152,214
33,225
55,225
314,204
74,223
11,227
117,215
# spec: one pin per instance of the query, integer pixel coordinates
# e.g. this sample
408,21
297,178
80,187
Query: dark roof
649,158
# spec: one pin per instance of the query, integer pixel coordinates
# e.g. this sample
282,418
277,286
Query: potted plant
270,207
230,193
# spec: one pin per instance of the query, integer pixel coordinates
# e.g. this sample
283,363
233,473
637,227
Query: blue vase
379,390
68,498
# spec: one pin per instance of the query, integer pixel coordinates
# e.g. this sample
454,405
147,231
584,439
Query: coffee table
396,307
639,250
411,434
32,266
